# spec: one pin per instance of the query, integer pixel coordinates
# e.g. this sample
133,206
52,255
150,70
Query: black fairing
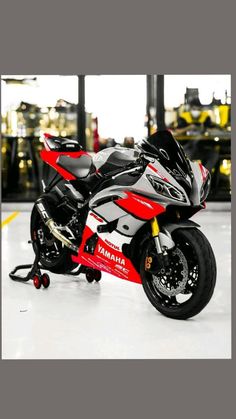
115,161
171,155
94,183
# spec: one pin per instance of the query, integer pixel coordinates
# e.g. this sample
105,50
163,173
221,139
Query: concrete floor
73,319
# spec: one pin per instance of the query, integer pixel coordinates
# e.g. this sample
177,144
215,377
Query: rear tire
194,241
63,262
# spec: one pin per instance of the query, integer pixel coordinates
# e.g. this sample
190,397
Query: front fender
170,227
143,236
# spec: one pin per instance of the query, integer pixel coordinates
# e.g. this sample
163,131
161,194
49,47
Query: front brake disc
173,281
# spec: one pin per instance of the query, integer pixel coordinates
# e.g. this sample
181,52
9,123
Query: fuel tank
114,157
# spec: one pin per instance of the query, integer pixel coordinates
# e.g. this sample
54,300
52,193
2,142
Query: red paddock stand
34,273
42,279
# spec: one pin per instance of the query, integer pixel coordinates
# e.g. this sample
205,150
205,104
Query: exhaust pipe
44,213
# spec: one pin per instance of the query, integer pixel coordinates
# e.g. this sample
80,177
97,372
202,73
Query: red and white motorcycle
127,212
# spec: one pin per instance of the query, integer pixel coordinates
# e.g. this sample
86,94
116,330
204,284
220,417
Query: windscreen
171,155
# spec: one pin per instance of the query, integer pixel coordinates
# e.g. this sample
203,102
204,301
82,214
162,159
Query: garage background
112,319
103,110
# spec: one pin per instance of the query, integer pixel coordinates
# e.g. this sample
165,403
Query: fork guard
170,227
155,262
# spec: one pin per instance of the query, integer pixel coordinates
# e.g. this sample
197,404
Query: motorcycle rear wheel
200,280
53,255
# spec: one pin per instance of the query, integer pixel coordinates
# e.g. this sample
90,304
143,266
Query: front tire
200,268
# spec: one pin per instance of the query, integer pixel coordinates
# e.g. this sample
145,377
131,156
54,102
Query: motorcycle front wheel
184,288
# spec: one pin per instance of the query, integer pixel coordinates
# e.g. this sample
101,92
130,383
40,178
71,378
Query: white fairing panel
103,203
197,183
114,239
127,224
144,186
110,211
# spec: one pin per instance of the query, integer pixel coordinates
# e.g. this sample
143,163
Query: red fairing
51,157
139,206
158,174
106,258
204,171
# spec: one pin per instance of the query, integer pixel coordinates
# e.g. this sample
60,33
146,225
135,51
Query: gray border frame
108,37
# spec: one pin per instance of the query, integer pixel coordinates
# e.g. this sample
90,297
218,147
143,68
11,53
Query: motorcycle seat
79,167
62,143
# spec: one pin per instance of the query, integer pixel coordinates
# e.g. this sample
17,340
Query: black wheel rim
50,248
175,301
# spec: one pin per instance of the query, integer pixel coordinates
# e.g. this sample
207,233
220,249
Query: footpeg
107,228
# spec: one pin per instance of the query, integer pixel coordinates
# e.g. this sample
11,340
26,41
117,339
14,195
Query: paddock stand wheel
98,275
33,274
45,280
93,275
37,281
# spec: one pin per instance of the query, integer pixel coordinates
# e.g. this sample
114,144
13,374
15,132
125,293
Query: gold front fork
155,227
155,234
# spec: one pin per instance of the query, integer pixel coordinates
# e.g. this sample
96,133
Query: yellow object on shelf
224,111
189,119
225,167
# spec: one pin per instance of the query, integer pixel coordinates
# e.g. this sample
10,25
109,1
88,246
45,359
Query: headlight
205,189
169,191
